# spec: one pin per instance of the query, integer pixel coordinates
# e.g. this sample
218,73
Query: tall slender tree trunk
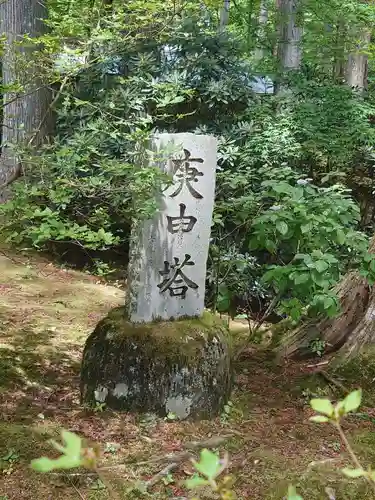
339,51
356,67
224,16
27,117
289,46
262,23
249,25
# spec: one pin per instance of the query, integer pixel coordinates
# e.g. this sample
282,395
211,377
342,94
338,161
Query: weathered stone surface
168,253
183,367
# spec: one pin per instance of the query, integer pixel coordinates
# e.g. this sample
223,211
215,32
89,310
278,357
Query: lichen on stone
153,367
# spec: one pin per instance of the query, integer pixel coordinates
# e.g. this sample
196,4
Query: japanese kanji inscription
182,223
186,174
175,280
168,254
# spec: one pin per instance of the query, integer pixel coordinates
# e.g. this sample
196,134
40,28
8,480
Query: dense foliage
286,225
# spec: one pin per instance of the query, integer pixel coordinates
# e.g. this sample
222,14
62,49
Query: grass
45,315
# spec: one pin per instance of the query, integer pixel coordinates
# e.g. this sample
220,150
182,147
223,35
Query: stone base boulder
180,367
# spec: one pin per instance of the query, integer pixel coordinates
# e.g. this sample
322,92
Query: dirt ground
46,314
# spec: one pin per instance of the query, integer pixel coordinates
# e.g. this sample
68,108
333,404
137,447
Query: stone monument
162,352
169,253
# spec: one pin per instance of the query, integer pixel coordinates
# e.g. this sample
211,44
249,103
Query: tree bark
289,46
224,16
262,23
339,51
356,67
27,117
345,334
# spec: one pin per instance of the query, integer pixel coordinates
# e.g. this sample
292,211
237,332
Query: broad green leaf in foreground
322,406
195,482
71,454
319,419
352,401
209,464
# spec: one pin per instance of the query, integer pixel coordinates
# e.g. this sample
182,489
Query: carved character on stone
175,281
187,174
182,223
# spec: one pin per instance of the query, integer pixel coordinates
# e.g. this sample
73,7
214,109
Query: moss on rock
183,367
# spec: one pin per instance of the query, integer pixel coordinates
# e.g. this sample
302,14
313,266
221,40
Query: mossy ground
360,371
46,314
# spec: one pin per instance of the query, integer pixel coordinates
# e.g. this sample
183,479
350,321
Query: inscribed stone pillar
168,253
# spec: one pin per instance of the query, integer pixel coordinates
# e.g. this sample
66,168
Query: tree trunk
262,23
289,47
356,67
27,117
224,16
348,332
339,51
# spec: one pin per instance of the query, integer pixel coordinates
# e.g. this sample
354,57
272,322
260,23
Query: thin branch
10,101
333,381
269,309
164,472
347,446
351,453
181,456
75,487
107,484
58,94
326,362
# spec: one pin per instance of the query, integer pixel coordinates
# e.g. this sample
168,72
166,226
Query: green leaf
71,454
328,302
209,464
332,311
368,257
320,280
11,454
295,314
73,443
270,246
195,482
352,401
322,406
301,278
306,228
281,187
339,409
42,464
321,266
223,303
223,299
340,236
319,419
292,494
353,473
282,227
45,464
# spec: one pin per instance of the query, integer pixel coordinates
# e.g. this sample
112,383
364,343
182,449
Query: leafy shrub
301,237
85,189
